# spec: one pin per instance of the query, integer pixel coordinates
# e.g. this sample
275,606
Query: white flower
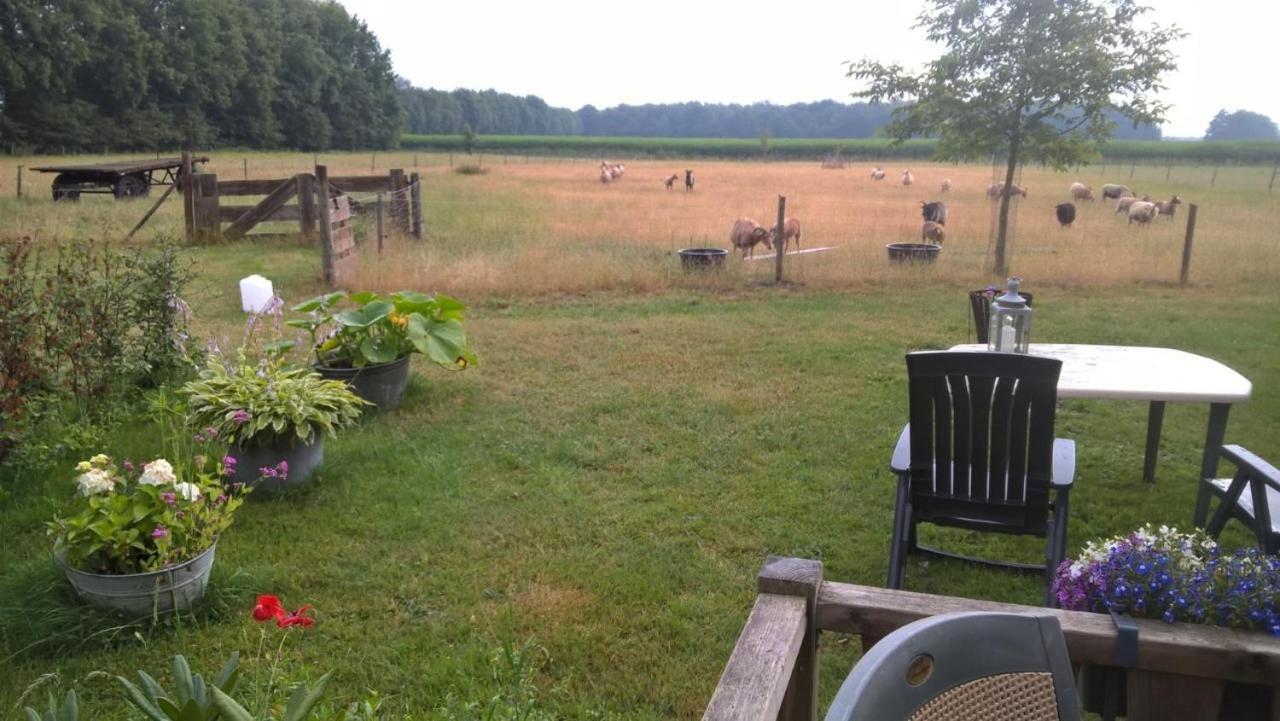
95,481
188,491
157,473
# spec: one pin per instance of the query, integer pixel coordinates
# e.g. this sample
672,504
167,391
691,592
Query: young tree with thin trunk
1026,79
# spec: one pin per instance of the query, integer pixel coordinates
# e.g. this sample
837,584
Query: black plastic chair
1259,508
979,453
980,304
963,666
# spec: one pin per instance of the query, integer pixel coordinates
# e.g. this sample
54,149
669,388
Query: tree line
153,74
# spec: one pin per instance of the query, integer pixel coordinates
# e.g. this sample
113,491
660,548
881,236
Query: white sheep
877,174
1142,212
946,185
907,178
1080,191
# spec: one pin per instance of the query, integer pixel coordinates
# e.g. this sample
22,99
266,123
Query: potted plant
366,339
1177,577
273,417
145,539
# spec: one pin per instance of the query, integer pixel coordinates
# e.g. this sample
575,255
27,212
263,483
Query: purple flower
128,466
282,468
160,532
210,432
267,472
228,465
240,417
169,498
221,499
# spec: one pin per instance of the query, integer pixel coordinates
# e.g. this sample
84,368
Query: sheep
935,211
688,180
996,189
671,181
746,233
1168,207
946,185
1080,191
907,178
1127,201
790,229
1066,214
605,176
1110,191
1142,212
877,174
933,232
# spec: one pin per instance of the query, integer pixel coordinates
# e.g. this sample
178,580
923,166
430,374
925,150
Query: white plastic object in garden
256,293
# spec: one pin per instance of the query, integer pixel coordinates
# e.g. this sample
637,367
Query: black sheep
935,211
1066,214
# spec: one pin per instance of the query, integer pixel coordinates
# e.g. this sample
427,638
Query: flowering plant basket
1174,576
363,329
139,520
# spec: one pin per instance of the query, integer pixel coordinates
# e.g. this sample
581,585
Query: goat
746,233
671,181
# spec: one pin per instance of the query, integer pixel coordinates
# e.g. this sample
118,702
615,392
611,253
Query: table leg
1213,438
1155,421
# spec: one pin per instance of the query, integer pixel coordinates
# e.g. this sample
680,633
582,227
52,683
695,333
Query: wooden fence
1182,671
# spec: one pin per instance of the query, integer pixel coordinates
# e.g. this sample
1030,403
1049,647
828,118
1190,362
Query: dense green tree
1241,125
1026,79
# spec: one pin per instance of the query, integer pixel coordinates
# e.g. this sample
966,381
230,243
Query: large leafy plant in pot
273,417
367,339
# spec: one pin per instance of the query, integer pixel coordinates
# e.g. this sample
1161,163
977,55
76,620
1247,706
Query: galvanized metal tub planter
175,588
300,463
382,384
702,258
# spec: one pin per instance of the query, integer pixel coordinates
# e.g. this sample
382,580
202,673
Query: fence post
306,204
399,204
798,577
1270,185
378,215
779,245
1214,180
1132,168
373,161
1186,246
208,224
322,220
415,204
246,168
1273,177
1167,169
188,197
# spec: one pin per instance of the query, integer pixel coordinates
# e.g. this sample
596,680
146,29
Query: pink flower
169,498
210,432
128,466
282,468
160,532
228,465
240,417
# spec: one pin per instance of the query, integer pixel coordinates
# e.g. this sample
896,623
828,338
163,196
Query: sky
578,52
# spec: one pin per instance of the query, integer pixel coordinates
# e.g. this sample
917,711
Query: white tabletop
1138,373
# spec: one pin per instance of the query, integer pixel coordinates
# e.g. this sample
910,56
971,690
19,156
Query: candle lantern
1010,321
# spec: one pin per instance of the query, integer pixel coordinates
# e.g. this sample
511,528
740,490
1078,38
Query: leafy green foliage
364,329
1026,80
193,698
1241,125
67,710
252,404
514,672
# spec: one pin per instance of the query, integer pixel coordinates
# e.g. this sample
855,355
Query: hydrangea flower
94,481
188,491
157,473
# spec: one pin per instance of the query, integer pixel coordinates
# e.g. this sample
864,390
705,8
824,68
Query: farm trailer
124,179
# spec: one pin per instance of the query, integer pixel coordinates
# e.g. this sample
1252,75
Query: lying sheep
907,178
996,189
877,174
1066,213
933,232
1142,212
935,211
746,234
1110,191
946,185
790,229
1080,191
1168,207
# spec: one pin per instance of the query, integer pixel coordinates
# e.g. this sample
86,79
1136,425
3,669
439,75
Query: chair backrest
1258,485
982,436
972,666
980,304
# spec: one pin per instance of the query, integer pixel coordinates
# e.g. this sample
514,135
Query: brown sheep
933,232
746,233
790,229
1168,207
671,181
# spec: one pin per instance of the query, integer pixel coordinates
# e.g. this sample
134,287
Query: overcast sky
577,52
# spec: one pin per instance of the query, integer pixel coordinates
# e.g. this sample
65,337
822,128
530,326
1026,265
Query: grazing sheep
1127,201
1066,214
935,211
1142,212
790,229
1110,191
605,175
946,185
746,233
688,180
1080,191
877,174
1168,207
907,178
671,181
933,232
996,189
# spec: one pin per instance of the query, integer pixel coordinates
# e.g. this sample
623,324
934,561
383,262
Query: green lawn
607,482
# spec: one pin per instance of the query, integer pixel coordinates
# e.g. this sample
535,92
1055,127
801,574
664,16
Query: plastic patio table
1156,375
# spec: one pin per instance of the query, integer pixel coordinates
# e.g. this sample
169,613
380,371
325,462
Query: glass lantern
1010,321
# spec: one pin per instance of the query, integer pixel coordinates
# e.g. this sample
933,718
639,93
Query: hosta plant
361,329
262,403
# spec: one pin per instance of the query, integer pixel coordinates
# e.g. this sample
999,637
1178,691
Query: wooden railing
1180,673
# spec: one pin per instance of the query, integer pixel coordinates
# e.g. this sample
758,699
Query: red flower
268,607
297,618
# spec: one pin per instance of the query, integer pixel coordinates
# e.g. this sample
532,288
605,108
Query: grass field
635,441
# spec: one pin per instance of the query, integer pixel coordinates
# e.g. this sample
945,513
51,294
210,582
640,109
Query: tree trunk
1000,264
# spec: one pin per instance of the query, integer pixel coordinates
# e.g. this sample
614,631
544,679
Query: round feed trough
912,252
701,258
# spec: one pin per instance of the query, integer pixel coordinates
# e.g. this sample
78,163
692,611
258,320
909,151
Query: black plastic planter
702,258
382,384
912,252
